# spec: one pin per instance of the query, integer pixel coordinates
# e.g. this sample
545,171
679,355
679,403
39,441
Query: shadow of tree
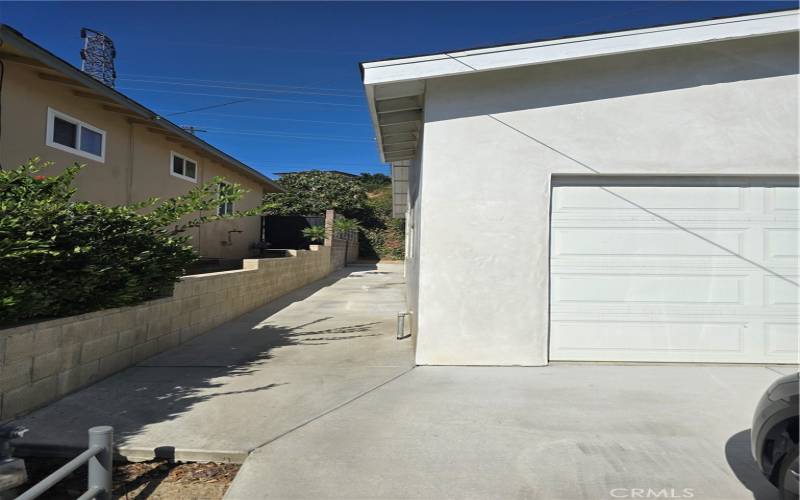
744,467
169,385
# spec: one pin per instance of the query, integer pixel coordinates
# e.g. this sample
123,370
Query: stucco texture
723,108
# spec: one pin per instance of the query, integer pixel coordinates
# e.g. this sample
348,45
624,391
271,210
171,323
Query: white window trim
233,208
52,114
172,155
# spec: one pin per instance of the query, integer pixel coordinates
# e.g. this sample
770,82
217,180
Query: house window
183,167
224,208
74,136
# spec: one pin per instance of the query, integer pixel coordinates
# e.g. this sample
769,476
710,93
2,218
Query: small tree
60,257
314,233
313,192
345,228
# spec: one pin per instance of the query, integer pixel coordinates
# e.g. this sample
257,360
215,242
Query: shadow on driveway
312,348
745,468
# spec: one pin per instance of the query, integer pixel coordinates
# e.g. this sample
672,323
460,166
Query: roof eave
580,47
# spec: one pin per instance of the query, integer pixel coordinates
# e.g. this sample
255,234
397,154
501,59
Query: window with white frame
224,208
183,167
75,136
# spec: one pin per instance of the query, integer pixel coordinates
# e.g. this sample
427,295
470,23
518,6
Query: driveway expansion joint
331,410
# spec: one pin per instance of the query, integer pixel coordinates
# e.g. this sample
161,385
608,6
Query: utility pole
192,129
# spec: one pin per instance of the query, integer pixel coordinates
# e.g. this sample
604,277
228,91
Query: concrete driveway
561,432
318,396
226,393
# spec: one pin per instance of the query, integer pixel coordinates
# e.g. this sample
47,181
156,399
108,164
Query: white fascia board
373,114
527,54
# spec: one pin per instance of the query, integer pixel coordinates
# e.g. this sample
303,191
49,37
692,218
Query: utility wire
626,200
260,131
343,165
208,107
238,82
249,89
228,103
289,136
267,117
257,47
269,99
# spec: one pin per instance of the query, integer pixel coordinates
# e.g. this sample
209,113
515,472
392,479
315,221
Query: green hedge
60,257
382,237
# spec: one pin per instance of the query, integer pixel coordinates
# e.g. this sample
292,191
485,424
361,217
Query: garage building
627,196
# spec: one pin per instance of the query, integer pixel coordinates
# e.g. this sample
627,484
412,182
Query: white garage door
709,274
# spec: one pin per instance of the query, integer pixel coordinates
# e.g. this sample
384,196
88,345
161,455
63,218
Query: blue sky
299,61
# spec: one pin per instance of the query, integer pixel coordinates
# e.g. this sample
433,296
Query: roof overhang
565,49
15,47
395,88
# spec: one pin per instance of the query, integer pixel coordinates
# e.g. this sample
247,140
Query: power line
208,107
234,87
267,117
238,82
192,129
289,136
270,99
257,47
626,200
306,162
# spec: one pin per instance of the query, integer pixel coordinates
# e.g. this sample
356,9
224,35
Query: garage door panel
782,199
781,244
636,288
782,338
604,337
625,198
646,241
627,285
780,292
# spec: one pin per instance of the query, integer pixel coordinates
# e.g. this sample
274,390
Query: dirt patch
156,479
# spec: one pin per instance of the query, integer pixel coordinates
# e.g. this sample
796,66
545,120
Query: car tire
788,482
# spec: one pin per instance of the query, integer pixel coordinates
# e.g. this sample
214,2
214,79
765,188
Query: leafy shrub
343,227
373,182
60,257
314,233
383,237
314,191
368,199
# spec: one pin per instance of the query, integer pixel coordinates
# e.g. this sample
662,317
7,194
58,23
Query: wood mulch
156,479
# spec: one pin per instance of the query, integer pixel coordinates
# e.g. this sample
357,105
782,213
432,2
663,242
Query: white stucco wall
482,218
413,218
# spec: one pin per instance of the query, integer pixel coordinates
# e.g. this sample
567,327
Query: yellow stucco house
53,110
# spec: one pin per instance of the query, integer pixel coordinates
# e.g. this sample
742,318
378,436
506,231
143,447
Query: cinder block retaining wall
338,251
42,362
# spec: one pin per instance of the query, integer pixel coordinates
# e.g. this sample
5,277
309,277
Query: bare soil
156,479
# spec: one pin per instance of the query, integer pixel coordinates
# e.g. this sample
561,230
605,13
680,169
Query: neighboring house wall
719,108
137,161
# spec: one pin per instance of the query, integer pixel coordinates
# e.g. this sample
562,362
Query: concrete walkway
566,432
248,381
